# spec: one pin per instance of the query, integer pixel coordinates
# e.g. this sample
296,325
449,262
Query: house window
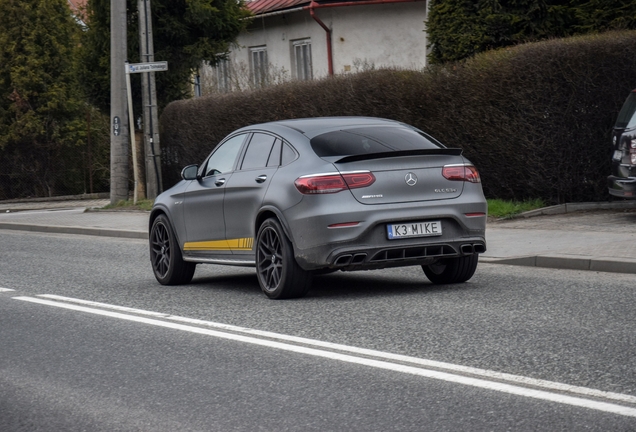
258,65
302,59
223,76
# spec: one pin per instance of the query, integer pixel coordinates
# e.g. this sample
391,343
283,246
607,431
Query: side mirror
190,172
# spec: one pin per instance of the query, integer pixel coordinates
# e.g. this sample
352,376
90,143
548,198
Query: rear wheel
165,255
452,270
279,275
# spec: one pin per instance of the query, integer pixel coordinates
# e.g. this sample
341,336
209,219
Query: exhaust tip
343,260
467,249
358,258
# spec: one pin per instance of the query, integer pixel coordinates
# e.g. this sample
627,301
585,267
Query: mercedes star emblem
411,179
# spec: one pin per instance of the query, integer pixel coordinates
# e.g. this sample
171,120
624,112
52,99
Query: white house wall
390,35
384,35
278,33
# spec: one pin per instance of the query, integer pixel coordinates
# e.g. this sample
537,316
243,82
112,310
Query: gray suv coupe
295,198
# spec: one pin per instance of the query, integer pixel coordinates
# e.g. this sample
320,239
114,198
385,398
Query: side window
258,151
274,156
288,156
224,157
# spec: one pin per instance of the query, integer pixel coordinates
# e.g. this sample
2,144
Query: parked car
622,182
295,198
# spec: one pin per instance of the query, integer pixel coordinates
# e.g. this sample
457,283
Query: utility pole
118,113
149,101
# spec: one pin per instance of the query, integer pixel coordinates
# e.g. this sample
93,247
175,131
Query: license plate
414,229
618,155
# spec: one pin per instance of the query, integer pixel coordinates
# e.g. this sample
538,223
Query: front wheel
452,270
165,255
279,275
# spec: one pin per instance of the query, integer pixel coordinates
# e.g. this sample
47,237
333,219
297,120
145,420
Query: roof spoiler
422,152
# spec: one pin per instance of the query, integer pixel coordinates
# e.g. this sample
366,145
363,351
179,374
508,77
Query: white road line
488,383
6,289
481,373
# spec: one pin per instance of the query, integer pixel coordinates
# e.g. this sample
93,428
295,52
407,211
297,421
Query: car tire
279,275
165,255
452,270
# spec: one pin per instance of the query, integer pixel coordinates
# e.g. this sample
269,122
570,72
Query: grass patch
505,209
142,204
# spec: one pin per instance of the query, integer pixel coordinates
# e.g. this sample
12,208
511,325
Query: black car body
622,182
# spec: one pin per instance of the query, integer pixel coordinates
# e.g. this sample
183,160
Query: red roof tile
264,6
77,5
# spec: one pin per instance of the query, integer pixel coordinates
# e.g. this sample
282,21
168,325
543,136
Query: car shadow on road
392,283
238,282
374,284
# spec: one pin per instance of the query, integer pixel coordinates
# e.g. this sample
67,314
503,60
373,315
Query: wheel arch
268,212
154,213
162,211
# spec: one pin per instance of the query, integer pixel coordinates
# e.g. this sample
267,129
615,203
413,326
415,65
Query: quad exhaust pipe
469,249
349,259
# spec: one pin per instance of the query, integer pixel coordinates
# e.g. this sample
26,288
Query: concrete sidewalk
599,240
74,217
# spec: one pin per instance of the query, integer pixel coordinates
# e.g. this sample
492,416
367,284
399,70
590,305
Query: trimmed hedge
535,119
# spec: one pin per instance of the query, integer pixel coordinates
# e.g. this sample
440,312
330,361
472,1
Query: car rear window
358,141
627,112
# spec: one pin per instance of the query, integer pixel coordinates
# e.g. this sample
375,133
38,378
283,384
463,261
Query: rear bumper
366,245
623,187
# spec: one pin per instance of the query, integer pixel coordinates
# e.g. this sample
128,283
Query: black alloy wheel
165,255
279,275
452,270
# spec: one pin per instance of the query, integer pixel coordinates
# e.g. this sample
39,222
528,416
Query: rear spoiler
422,152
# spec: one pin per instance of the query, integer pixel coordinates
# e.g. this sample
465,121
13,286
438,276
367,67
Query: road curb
576,207
104,232
81,197
569,262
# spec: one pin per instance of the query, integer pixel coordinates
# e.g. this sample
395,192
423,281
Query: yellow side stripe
220,245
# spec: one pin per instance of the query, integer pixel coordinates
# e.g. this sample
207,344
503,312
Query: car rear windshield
626,115
358,141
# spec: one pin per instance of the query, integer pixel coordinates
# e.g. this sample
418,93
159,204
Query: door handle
220,182
261,178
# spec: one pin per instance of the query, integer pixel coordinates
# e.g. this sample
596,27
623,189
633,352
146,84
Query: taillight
632,152
359,179
333,183
461,173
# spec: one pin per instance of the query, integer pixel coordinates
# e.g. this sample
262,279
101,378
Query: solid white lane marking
482,373
6,289
380,364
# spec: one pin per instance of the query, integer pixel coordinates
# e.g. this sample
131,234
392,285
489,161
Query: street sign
146,67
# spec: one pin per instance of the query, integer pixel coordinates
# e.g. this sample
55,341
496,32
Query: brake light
333,183
461,173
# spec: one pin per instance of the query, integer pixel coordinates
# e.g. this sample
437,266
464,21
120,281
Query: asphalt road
72,364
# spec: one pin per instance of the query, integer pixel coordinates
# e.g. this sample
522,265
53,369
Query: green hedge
535,119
